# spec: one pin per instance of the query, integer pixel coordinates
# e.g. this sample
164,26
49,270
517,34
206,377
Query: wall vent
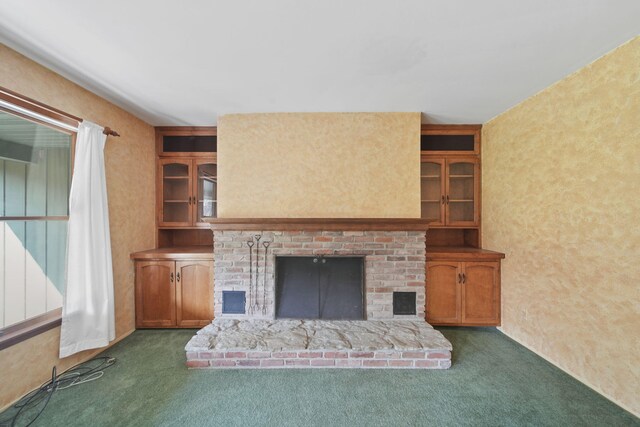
404,303
233,302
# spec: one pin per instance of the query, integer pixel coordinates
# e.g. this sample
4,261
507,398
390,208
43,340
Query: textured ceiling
186,63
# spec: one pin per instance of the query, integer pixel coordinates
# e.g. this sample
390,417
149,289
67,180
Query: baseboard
577,377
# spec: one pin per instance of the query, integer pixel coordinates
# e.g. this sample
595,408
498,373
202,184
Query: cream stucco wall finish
130,162
319,165
561,173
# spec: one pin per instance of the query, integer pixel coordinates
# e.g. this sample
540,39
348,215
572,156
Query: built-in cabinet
172,291
186,186
463,280
174,282
463,292
187,191
450,189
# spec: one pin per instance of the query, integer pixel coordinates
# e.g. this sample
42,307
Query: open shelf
449,236
170,237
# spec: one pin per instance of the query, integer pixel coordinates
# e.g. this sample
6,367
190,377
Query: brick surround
416,359
394,261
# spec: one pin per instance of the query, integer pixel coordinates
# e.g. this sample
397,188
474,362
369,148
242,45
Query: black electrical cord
78,374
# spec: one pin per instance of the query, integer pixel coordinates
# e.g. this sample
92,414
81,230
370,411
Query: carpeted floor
493,382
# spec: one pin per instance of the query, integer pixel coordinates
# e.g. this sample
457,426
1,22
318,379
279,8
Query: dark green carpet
493,382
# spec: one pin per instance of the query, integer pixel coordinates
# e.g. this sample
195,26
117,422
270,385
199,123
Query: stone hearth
317,344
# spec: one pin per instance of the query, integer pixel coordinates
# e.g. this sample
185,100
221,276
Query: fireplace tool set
253,304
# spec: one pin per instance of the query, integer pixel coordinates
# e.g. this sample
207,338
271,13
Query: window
35,177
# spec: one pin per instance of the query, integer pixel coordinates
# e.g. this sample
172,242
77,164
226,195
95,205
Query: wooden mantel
319,224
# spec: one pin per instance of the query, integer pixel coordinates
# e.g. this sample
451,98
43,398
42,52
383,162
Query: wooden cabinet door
194,293
155,294
481,293
462,191
443,292
432,190
205,190
175,193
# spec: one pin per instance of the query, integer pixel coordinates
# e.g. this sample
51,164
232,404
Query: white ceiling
188,62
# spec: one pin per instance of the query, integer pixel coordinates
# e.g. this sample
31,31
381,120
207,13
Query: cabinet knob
442,200
464,278
459,278
447,199
178,277
171,277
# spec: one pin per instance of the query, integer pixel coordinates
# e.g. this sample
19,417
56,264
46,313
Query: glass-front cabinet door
462,192
432,190
206,196
176,186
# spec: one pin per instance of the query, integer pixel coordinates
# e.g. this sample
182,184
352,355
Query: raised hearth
318,344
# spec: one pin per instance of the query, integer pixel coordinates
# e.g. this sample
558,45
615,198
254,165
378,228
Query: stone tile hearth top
289,335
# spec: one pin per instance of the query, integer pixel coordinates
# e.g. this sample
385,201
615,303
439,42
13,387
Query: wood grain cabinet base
194,293
174,294
463,292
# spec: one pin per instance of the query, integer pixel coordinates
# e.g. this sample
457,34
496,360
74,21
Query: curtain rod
43,118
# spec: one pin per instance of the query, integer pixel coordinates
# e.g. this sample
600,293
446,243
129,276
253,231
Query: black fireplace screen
320,288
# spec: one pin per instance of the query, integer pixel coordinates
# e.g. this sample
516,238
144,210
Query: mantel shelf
320,224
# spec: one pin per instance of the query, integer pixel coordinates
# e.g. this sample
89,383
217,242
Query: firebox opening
316,287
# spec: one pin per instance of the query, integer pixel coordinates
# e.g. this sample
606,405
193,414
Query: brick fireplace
394,261
250,330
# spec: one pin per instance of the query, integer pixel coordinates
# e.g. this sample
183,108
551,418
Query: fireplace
291,302
368,266
319,287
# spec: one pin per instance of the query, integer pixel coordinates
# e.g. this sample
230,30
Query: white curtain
87,310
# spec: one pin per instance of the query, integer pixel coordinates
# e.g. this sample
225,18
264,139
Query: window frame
36,325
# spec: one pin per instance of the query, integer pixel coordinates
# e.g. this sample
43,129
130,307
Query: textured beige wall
319,165
561,180
130,184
